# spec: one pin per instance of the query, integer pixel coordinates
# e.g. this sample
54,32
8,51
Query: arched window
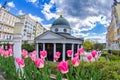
56,30
65,30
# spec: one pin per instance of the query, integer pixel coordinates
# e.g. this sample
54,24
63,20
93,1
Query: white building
29,28
58,39
7,22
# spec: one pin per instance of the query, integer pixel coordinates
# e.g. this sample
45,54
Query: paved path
1,76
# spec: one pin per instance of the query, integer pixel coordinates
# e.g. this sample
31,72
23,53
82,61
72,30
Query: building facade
39,29
28,27
113,31
7,22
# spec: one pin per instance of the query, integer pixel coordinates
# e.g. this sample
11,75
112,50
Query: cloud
20,12
36,18
47,26
0,5
83,15
11,4
85,8
33,1
46,10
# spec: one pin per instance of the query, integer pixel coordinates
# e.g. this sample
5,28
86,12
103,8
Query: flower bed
40,69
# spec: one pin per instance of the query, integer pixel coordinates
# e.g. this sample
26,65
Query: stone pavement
1,76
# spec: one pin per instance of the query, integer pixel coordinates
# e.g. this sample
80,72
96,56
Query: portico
58,39
57,43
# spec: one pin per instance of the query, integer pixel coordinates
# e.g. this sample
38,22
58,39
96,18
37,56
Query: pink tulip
24,53
55,58
1,52
76,54
20,62
57,54
33,57
34,52
43,54
89,57
10,47
10,52
39,63
6,53
63,67
75,61
69,53
81,51
94,54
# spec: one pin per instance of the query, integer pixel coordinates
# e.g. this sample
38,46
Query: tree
88,45
99,46
28,47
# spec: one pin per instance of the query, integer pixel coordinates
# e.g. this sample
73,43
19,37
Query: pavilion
58,38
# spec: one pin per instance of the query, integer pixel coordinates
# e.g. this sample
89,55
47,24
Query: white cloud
82,15
46,11
47,26
0,5
20,12
33,1
11,4
36,18
96,38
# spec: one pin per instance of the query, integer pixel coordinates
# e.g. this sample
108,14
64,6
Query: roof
61,21
63,35
68,36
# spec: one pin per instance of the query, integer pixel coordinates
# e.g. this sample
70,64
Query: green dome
61,21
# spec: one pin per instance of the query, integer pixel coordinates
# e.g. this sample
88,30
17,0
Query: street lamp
36,27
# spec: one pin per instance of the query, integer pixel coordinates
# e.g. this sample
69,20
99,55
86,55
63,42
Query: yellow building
39,29
7,22
113,31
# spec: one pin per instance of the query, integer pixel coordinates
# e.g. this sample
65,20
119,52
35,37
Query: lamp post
36,28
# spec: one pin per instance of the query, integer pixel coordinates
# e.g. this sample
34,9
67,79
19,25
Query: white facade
28,31
7,22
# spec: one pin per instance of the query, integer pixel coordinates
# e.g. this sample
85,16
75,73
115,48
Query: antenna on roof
4,5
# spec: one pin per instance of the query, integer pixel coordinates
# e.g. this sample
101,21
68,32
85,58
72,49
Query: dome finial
61,14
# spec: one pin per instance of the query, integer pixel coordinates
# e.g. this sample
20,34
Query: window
56,30
65,30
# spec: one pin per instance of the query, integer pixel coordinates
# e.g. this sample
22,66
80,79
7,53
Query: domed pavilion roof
61,21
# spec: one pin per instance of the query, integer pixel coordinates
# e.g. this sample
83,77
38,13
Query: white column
43,46
17,38
37,49
63,54
72,50
54,51
77,46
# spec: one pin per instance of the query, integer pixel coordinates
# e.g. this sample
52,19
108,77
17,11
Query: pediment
49,35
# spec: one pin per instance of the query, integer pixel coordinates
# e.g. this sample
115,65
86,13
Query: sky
88,19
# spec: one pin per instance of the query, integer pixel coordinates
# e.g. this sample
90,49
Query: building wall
113,31
39,29
23,24
7,22
29,24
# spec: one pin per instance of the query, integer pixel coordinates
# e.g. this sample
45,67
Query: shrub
28,47
116,52
113,58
